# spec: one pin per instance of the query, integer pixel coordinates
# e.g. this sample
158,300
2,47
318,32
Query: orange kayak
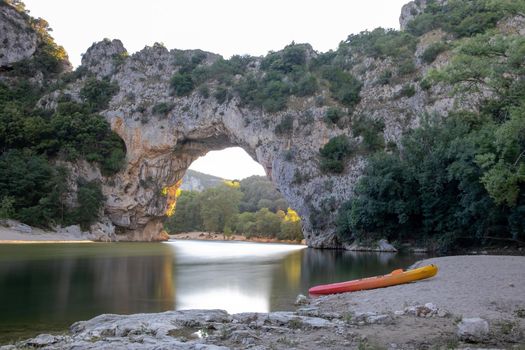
392,279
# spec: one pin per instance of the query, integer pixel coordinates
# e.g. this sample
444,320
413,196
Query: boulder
23,228
301,300
42,340
380,246
473,329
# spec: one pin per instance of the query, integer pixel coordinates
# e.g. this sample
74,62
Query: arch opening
226,194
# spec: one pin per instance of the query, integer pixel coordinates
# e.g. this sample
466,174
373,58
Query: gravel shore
15,232
491,287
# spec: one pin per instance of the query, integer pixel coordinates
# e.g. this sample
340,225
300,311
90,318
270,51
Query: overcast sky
226,27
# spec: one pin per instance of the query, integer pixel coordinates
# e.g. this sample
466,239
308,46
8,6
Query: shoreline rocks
380,246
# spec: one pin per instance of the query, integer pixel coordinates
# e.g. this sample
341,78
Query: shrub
406,67
384,78
182,84
333,115
334,154
344,87
204,91
432,51
425,84
462,18
97,93
382,43
285,127
286,60
306,86
371,131
162,108
221,94
408,90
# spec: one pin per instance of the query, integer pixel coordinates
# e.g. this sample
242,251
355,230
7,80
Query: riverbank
14,232
473,302
210,236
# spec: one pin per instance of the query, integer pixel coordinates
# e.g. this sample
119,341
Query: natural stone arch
161,147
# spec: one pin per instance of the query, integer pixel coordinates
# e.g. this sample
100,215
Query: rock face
412,9
17,40
187,329
162,145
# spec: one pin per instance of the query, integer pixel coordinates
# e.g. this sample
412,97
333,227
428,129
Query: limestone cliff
161,147
165,129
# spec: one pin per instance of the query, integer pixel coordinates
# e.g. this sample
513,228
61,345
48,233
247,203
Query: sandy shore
209,236
9,235
490,287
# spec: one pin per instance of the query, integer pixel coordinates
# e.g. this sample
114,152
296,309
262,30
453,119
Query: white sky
226,27
230,163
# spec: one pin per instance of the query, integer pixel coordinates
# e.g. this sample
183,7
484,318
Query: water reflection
45,288
233,276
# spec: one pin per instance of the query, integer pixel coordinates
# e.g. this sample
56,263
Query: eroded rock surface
160,147
17,40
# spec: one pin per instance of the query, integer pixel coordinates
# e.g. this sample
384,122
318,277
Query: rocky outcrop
17,39
196,181
161,147
380,246
216,329
412,9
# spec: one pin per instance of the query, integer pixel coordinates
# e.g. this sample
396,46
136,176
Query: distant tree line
251,207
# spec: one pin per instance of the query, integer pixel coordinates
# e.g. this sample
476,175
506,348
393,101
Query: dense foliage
458,180
251,207
35,142
289,72
464,18
334,154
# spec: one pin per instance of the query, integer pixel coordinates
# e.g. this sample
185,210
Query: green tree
267,224
187,215
218,207
256,189
334,154
90,198
244,223
6,207
97,93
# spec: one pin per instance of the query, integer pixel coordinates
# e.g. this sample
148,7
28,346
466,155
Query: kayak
394,278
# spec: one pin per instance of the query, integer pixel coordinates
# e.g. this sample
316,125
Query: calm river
46,287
